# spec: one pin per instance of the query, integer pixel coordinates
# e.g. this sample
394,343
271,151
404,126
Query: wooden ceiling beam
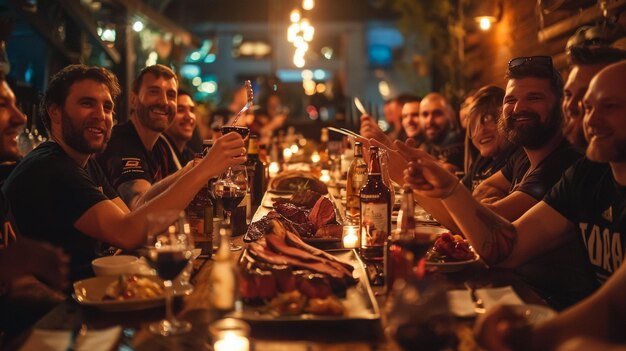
571,23
85,21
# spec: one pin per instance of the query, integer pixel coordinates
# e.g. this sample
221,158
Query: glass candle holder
351,236
230,334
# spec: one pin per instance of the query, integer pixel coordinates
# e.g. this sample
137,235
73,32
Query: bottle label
374,223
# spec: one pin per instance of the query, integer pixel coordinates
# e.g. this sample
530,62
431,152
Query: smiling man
589,200
59,194
181,130
136,156
436,120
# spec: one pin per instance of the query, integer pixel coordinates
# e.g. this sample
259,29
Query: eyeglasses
474,126
543,61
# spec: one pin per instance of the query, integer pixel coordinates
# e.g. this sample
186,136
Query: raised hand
425,174
227,151
371,130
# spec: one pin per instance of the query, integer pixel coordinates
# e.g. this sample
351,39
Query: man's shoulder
124,140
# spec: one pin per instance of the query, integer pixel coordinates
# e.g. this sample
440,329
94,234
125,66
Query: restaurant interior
285,251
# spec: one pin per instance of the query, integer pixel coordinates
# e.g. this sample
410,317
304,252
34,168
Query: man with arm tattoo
589,200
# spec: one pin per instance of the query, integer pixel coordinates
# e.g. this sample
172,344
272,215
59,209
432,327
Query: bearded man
531,118
59,194
136,156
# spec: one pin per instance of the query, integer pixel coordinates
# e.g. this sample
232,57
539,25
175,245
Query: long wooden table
352,336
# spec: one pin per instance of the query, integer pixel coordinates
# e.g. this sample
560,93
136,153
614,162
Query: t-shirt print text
132,165
604,247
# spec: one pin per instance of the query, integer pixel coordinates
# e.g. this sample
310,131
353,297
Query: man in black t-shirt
442,138
530,118
31,273
59,194
590,199
136,157
181,130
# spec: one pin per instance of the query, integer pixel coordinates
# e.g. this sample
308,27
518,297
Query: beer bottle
357,175
200,212
223,276
375,199
256,173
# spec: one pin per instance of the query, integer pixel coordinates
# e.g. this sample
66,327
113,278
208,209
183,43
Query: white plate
89,292
454,266
535,314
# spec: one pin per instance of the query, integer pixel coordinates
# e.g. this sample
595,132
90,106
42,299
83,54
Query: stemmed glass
231,187
168,249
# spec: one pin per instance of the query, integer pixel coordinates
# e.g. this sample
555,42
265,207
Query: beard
615,153
73,135
532,134
156,124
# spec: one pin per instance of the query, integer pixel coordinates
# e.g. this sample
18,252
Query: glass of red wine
168,249
231,187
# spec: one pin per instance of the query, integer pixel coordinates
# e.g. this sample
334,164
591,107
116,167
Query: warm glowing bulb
484,23
294,149
308,4
294,16
138,26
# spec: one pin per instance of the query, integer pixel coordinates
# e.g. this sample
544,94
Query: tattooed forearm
500,237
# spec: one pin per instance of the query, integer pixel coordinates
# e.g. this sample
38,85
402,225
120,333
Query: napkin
53,340
498,296
462,305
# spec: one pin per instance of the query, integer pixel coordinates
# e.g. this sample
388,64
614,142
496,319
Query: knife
359,106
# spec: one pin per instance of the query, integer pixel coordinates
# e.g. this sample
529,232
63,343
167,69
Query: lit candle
287,154
231,341
325,177
273,169
350,236
230,334
315,157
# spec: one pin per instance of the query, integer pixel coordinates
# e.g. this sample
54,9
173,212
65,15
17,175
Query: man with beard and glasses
136,156
589,200
180,131
531,119
589,50
58,192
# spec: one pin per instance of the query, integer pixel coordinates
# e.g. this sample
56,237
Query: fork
249,97
479,305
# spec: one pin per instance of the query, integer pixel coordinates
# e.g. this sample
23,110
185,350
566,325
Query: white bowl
115,265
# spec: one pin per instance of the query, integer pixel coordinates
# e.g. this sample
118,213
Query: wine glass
231,187
406,250
168,249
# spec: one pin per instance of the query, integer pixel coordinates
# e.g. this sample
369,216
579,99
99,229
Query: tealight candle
230,341
287,154
325,177
273,169
230,334
351,236
315,157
